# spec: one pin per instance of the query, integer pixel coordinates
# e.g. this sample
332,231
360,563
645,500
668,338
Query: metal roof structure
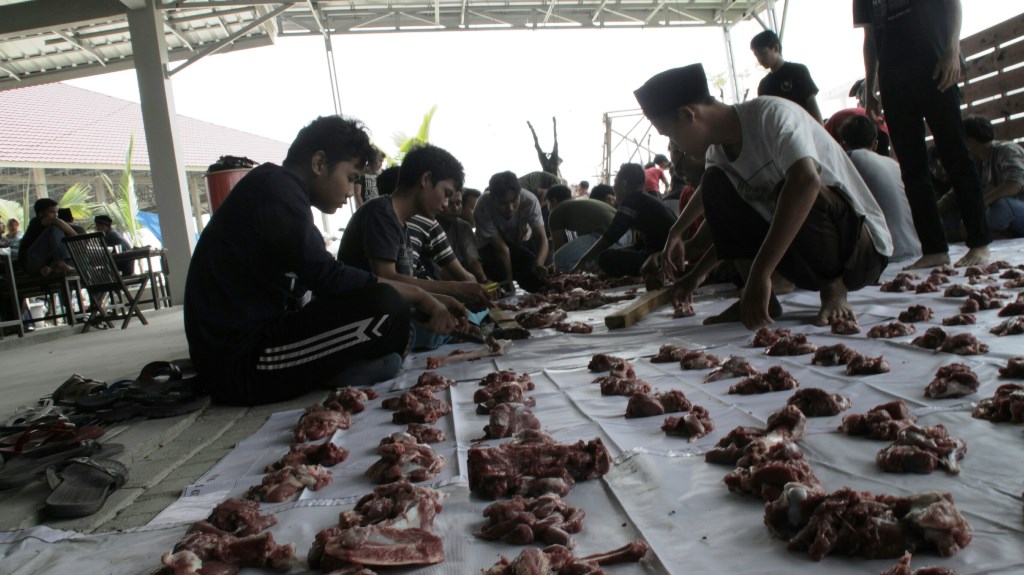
52,40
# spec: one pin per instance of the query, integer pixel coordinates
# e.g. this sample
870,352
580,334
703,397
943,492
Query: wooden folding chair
100,279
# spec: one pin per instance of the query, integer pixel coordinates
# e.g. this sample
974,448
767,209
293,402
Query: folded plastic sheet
660,488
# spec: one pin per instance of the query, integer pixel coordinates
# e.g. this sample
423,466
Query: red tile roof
65,125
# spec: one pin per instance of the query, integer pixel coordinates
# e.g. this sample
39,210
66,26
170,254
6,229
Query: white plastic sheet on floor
659,489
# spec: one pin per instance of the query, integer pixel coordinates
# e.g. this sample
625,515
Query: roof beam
26,18
134,4
231,38
83,46
10,72
177,33
551,8
597,13
661,4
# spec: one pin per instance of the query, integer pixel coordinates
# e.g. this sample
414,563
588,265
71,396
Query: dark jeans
307,348
46,250
833,241
620,262
523,257
909,103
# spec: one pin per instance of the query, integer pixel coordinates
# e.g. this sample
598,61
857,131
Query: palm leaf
79,199
124,210
406,143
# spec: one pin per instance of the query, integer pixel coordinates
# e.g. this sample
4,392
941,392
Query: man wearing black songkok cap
779,195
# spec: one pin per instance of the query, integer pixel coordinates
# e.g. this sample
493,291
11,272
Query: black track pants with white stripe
307,348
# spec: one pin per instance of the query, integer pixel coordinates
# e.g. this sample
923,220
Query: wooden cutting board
638,309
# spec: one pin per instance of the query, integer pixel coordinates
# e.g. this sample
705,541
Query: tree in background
406,143
124,209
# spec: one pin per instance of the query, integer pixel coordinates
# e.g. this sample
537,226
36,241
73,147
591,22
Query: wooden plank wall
995,77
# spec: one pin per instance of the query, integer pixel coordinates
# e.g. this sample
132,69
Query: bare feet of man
929,261
732,313
834,306
974,257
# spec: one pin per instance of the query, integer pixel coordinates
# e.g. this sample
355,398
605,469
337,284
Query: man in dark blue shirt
247,345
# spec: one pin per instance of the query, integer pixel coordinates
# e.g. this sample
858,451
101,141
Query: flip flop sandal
82,485
159,372
155,408
76,387
25,469
46,439
25,416
78,419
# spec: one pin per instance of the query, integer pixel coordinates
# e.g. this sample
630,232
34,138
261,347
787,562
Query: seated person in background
576,225
654,175
433,256
387,181
538,183
603,193
469,199
460,236
14,234
105,225
834,126
640,212
778,194
785,79
882,176
42,250
510,233
382,238
247,346
1001,168
66,216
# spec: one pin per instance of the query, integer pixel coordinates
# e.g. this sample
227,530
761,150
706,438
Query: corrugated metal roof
70,126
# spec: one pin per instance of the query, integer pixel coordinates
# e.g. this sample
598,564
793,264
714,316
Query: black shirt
374,233
791,81
910,35
237,285
32,232
647,215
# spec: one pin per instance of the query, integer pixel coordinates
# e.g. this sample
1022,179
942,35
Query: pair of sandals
162,389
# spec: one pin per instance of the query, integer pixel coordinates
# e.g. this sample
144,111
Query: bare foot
974,257
63,269
834,306
732,313
930,261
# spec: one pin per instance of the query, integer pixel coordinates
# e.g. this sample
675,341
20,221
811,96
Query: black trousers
832,243
620,262
308,347
910,102
523,257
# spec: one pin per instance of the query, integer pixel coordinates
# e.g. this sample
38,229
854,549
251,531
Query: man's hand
473,294
540,271
433,315
873,106
948,72
682,290
754,303
652,271
674,256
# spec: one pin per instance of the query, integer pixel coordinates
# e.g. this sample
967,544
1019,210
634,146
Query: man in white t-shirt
511,235
779,195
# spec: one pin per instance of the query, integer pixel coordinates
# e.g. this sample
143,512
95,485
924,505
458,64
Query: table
145,256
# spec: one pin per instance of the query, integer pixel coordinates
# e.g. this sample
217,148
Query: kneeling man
779,194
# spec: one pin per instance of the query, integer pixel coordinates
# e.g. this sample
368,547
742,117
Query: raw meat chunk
791,345
1012,309
766,336
644,405
946,269
682,309
417,406
499,392
259,551
1014,368
611,385
959,319
573,327
963,344
953,380
775,379
1007,404
958,290
900,283
837,354
920,450
318,422
508,419
240,517
894,329
433,382
930,287
1012,326
693,424
916,313
669,352
603,362
847,326
285,483
699,360
733,367
816,402
326,454
932,338
902,567
425,433
765,468
521,521
523,468
883,421
374,546
400,505
786,424
847,523
405,462
559,560
350,399
861,365
544,317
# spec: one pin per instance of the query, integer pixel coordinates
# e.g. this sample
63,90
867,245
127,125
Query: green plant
124,209
406,143
79,198
11,209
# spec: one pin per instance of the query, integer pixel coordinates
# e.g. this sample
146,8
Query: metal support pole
731,62
606,170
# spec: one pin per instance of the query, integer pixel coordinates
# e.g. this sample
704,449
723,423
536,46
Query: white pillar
160,120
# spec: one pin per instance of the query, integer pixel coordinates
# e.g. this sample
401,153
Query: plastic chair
100,279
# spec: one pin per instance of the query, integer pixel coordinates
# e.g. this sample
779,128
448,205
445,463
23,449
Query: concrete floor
163,455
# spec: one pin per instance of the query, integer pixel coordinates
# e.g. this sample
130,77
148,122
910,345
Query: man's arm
795,201
540,238
64,226
601,245
674,252
433,315
501,250
871,103
457,272
1008,189
947,70
471,293
812,107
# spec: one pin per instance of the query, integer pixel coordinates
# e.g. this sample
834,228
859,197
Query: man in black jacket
247,344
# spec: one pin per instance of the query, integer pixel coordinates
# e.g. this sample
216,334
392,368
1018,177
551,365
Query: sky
488,84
